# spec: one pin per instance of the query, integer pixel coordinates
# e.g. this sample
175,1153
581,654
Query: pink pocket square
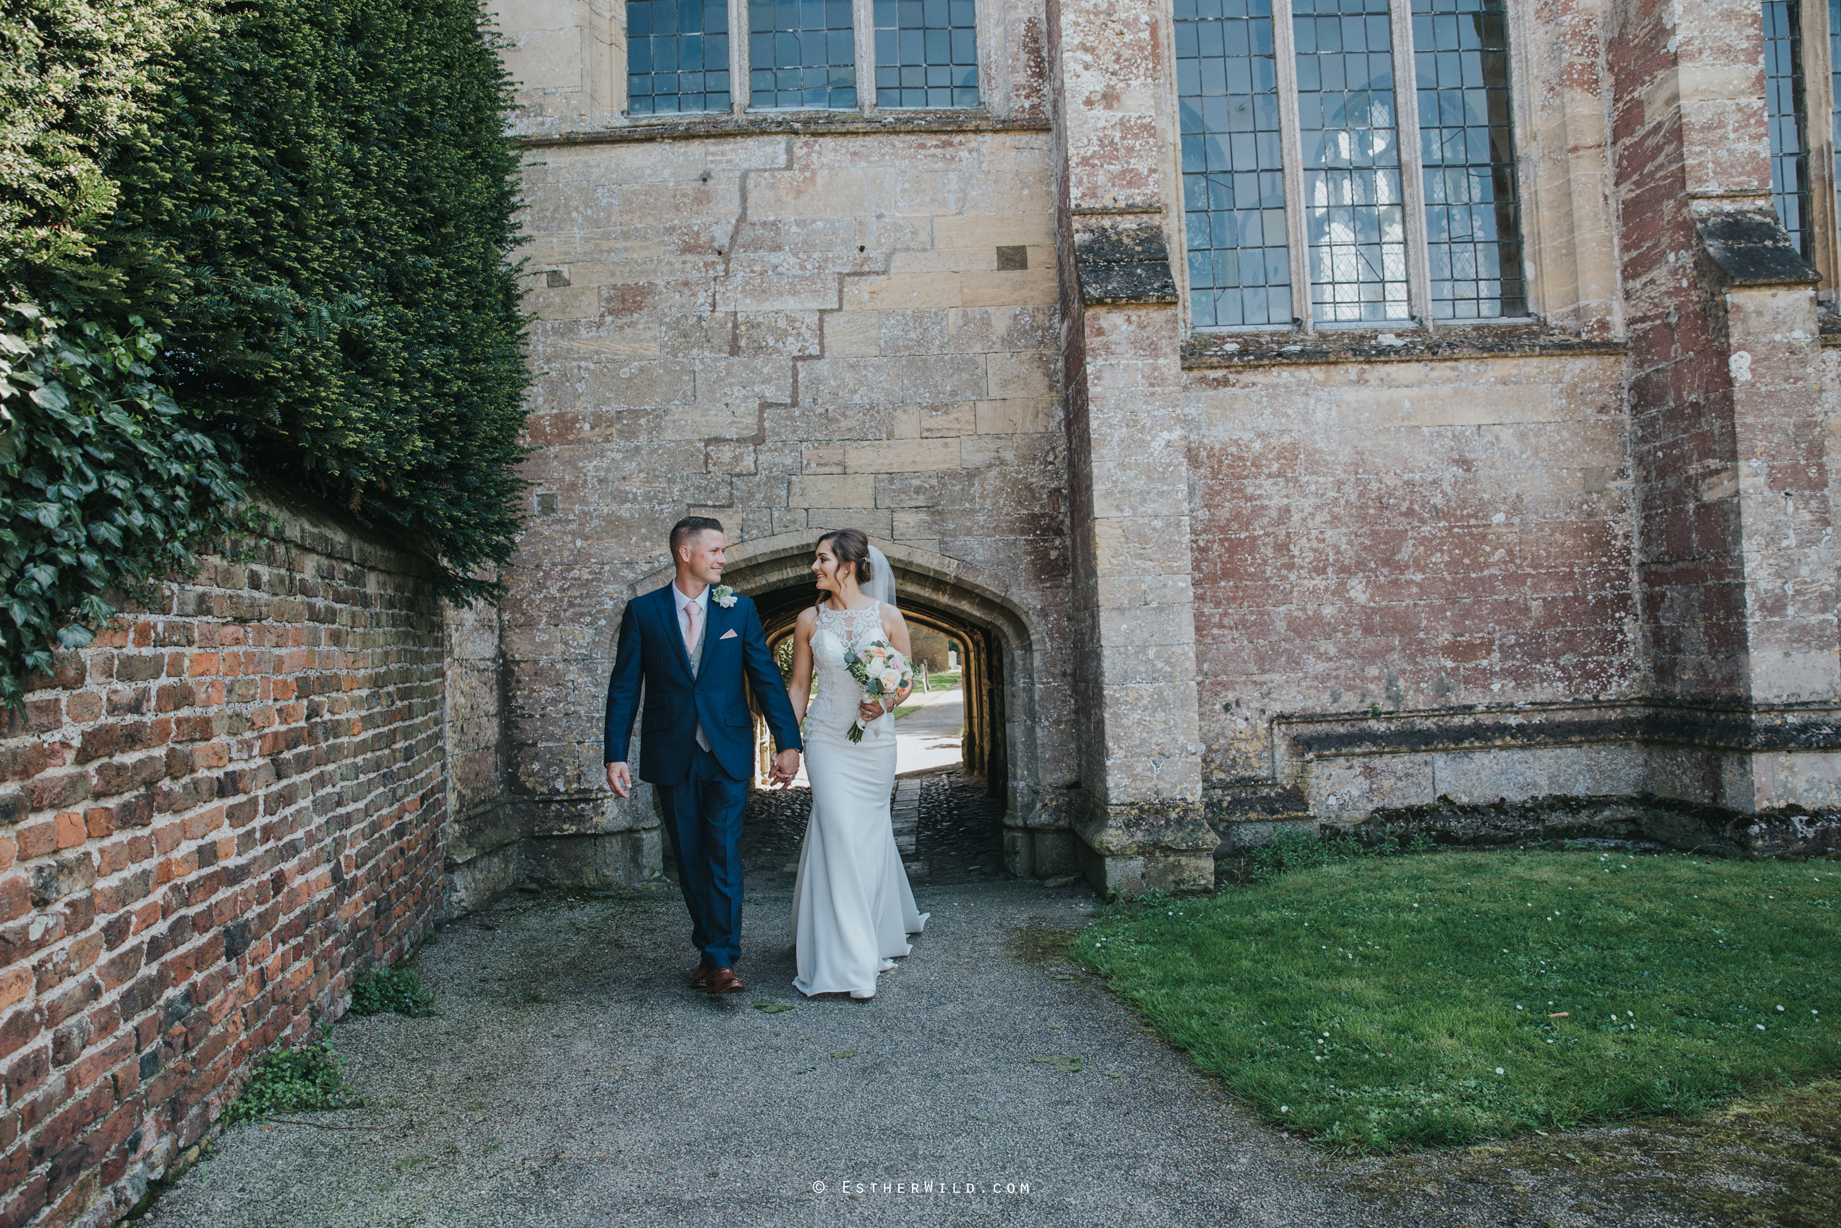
727,635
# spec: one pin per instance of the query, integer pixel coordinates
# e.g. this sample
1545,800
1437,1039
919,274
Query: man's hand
785,767
619,779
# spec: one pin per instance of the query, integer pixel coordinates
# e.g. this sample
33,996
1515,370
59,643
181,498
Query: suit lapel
713,628
668,613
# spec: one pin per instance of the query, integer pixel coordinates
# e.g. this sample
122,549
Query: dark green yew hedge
244,239
321,225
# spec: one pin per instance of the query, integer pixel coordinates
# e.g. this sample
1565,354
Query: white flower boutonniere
723,596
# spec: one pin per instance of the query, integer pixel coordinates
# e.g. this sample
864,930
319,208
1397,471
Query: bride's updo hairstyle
851,546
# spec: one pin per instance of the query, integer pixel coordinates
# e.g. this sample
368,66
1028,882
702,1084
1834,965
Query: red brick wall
213,817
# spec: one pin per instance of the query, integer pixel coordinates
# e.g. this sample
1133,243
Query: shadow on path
572,1078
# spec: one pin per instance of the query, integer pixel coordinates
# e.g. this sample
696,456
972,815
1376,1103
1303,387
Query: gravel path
572,1078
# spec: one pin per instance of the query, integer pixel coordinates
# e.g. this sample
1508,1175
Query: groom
691,643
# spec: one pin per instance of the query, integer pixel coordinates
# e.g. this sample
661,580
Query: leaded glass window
1233,169
1354,216
926,53
801,53
1473,231
1302,202
1783,108
677,56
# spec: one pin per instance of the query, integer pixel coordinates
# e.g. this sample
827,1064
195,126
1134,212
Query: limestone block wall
789,332
1468,521
212,818
1406,536
481,858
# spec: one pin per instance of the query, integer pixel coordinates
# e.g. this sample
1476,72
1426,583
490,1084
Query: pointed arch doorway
965,604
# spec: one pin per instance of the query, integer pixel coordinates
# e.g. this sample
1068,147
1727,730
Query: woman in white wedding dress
853,906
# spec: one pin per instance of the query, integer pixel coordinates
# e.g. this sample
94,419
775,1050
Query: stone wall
1279,577
214,816
1405,536
789,332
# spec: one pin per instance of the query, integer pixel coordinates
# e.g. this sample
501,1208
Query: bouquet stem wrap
881,671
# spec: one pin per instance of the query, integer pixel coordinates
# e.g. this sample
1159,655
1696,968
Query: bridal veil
881,583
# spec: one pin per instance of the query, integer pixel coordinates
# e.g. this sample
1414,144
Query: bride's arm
799,690
896,628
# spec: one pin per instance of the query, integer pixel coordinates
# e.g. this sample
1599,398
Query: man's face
701,555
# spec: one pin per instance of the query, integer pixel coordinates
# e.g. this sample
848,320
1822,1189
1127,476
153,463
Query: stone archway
973,606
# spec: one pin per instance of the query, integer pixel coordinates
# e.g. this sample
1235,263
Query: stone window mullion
863,24
1285,45
1819,106
1412,171
738,57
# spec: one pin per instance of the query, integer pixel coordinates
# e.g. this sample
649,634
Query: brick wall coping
1206,351
800,123
308,522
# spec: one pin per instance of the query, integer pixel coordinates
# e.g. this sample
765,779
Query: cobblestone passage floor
946,827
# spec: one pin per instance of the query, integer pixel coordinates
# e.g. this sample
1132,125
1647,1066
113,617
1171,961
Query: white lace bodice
836,693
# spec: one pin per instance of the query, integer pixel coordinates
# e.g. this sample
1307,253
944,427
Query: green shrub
383,990
299,1080
277,235
104,483
74,83
321,229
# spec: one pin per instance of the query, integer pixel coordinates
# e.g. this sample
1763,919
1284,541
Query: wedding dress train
854,908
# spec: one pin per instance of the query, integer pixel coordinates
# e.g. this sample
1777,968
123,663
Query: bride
854,908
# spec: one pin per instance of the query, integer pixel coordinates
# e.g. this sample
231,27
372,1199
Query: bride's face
825,570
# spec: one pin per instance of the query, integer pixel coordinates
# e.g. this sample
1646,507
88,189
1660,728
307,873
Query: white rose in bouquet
891,681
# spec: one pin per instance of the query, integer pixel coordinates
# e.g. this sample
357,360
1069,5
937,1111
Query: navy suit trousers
703,821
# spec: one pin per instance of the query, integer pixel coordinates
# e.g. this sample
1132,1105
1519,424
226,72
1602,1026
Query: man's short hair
688,527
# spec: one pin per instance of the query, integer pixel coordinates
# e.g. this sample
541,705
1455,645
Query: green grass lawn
1436,999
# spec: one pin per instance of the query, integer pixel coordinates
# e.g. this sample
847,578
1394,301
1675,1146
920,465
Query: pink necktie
690,626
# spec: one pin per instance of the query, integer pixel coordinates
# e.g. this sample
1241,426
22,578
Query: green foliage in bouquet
868,664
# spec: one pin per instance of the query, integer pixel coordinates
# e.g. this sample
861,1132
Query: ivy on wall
103,483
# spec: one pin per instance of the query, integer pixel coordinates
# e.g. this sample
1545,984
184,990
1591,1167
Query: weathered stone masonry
1233,581
1211,584
214,817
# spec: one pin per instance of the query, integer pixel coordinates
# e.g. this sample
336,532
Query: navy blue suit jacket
651,648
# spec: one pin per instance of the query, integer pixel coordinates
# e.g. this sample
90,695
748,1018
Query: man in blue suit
692,642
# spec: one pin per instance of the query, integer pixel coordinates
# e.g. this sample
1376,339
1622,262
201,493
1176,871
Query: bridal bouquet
880,671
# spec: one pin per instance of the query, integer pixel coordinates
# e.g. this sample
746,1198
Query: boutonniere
723,596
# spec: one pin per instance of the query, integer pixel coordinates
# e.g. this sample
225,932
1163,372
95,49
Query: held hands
785,767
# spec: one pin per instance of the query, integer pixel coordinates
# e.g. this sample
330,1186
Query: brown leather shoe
700,979
724,980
